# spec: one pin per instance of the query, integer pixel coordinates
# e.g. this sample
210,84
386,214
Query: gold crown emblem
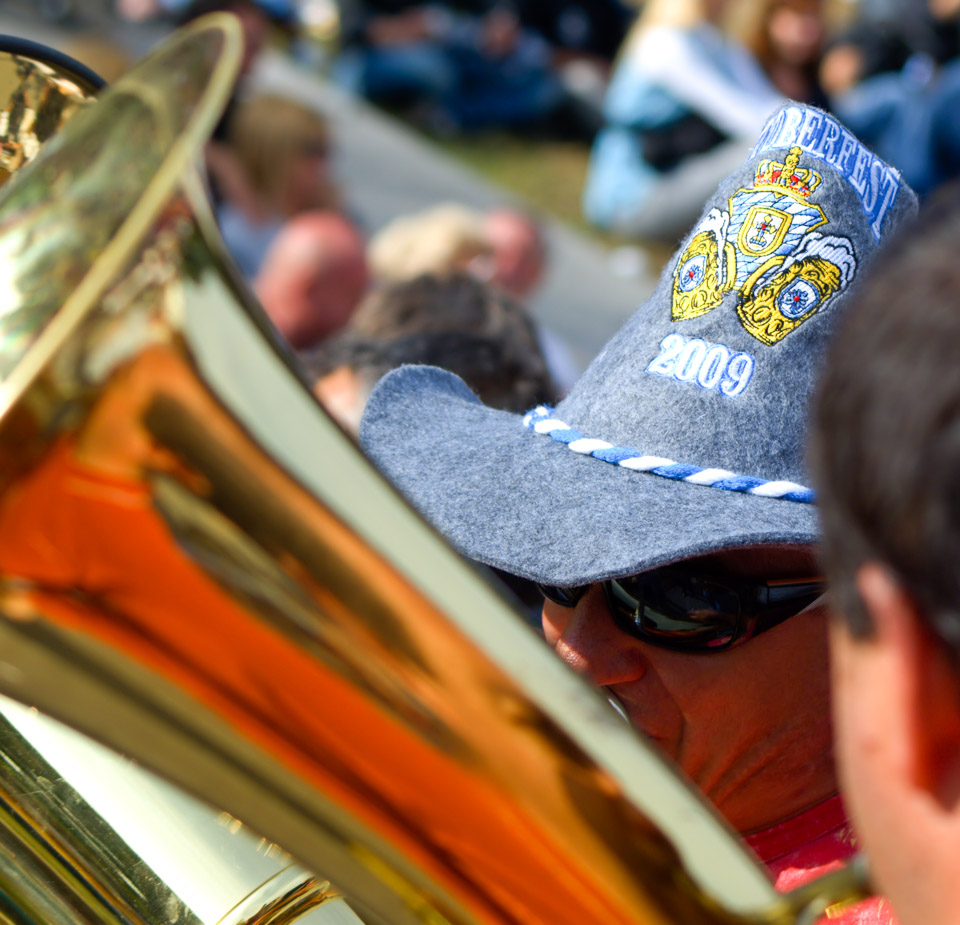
787,177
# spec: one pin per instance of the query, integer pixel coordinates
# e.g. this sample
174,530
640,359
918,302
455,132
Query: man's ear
928,684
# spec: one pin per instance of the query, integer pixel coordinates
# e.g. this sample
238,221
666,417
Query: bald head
518,251
312,277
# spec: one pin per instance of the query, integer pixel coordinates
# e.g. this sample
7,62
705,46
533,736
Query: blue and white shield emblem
765,250
766,223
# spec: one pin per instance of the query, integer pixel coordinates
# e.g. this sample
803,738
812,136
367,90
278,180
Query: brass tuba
41,89
198,569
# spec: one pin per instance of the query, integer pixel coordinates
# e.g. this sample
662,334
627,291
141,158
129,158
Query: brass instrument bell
40,90
199,569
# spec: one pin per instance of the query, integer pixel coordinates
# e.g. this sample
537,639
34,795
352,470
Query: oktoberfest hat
686,433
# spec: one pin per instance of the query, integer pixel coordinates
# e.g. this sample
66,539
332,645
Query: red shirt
814,843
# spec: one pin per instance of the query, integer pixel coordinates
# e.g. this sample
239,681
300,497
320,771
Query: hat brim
519,501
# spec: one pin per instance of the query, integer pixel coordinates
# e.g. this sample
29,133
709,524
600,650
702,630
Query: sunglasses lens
674,610
565,597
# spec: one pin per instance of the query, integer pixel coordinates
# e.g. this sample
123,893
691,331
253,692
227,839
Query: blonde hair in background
440,240
745,20
671,13
268,133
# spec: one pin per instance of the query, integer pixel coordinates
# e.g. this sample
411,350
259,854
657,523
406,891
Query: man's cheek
853,733
553,619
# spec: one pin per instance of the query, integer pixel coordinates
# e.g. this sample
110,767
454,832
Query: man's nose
591,643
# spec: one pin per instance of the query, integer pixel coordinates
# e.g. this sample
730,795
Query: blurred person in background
584,37
519,263
440,239
453,67
281,12
453,321
787,38
576,29
519,251
313,277
224,172
683,105
858,52
893,78
890,31
503,246
282,152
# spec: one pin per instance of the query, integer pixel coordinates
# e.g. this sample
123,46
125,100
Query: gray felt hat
686,433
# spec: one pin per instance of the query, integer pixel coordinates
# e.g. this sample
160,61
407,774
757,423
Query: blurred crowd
448,286
653,85
667,96
696,79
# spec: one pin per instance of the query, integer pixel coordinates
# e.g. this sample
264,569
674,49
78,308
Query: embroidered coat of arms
765,248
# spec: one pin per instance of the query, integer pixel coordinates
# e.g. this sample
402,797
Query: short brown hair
885,444
455,322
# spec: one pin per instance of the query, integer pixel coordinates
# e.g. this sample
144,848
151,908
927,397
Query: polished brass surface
287,897
60,863
222,586
87,836
37,98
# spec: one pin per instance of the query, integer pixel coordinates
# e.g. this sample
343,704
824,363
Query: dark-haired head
886,438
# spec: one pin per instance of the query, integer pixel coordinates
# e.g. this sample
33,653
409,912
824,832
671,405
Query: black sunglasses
694,612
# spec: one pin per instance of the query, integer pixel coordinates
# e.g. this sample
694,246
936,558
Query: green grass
547,174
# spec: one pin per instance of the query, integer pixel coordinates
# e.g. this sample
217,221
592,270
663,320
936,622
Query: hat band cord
541,420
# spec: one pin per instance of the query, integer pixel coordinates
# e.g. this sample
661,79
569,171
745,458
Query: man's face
898,741
717,714
864,746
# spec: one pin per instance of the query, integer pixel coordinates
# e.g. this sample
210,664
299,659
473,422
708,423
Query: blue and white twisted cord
541,421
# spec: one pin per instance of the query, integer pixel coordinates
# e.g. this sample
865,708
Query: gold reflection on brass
60,863
141,511
285,898
153,522
37,100
148,508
